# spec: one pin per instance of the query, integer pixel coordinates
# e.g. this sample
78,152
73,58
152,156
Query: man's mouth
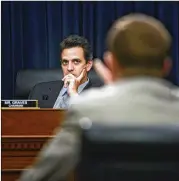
71,74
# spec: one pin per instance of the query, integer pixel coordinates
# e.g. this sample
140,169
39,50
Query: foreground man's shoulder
92,95
175,92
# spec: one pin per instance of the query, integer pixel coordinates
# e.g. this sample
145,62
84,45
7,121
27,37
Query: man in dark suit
76,62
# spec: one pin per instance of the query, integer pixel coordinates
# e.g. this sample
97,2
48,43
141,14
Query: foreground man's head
138,45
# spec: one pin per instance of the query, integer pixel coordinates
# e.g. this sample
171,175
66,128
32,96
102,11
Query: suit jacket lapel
57,90
89,85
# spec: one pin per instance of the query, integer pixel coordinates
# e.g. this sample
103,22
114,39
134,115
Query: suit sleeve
31,93
59,156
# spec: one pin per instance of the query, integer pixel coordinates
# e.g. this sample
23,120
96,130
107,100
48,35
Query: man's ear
167,66
113,65
89,65
108,60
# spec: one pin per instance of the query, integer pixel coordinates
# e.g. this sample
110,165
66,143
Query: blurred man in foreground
136,93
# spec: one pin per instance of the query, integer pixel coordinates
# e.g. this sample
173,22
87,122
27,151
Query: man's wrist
74,93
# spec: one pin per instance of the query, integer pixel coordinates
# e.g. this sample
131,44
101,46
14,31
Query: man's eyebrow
64,59
73,59
76,59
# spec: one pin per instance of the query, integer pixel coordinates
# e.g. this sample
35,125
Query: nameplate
19,103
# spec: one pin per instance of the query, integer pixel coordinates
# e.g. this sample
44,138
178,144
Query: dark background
31,32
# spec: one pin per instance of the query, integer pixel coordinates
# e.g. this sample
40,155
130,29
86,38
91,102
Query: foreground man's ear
167,66
104,71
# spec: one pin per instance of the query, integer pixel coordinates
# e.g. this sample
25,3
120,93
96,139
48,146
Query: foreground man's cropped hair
138,45
135,93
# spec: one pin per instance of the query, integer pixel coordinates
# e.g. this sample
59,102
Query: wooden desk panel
30,121
10,175
24,132
20,152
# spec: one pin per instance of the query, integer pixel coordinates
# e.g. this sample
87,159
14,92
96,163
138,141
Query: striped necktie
64,103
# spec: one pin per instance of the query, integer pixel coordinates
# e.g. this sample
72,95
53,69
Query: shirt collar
82,86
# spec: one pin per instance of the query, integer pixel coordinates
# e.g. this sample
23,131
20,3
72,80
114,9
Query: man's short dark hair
140,41
77,41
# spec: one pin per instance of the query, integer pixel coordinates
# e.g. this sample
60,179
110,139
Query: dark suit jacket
47,92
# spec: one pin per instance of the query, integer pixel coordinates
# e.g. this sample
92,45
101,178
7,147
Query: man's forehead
70,57
72,53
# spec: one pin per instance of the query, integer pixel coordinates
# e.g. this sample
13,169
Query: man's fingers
67,76
103,71
82,74
66,83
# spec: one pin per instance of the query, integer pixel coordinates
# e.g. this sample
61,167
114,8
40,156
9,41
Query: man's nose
70,66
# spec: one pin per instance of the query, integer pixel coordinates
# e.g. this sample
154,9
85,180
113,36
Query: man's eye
76,61
64,62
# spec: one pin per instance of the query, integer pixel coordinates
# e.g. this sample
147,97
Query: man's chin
76,76
72,74
69,74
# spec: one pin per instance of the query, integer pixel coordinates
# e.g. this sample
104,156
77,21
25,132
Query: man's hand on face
72,82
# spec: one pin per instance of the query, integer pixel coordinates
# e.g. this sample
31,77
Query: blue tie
65,101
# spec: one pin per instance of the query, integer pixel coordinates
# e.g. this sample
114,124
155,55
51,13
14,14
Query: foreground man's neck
131,72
